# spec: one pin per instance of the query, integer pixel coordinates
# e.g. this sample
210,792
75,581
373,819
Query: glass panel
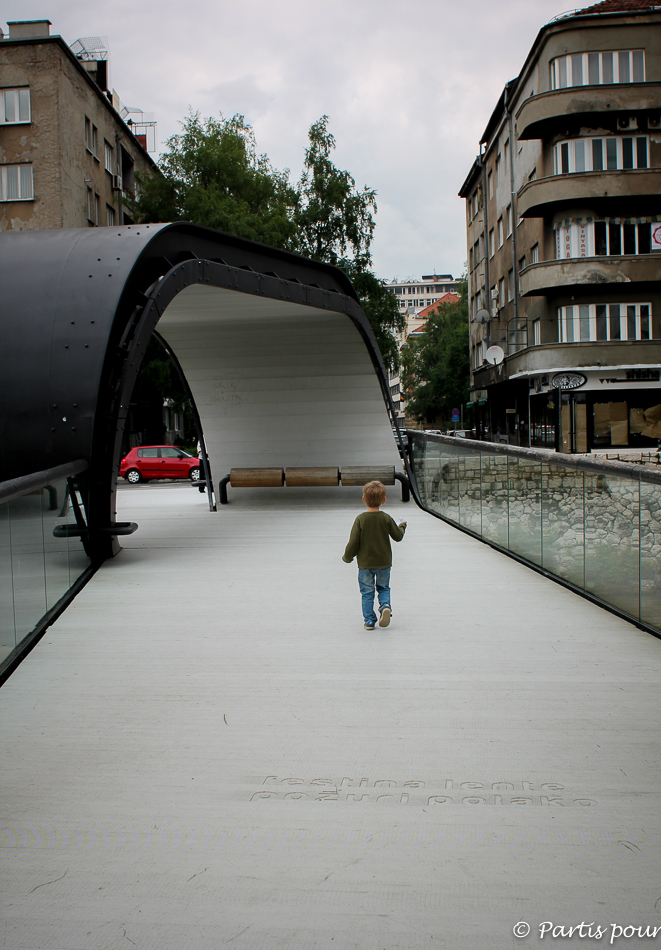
614,239
569,326
631,323
577,69
562,523
12,182
650,550
56,550
629,238
26,181
627,153
24,105
597,155
611,153
585,322
494,498
611,540
638,66
562,71
614,321
564,158
10,105
448,483
579,151
623,66
641,152
593,68
644,238
601,322
27,556
644,322
525,535
607,67
7,632
470,490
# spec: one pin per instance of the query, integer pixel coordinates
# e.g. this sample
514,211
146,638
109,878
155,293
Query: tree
211,174
335,224
436,366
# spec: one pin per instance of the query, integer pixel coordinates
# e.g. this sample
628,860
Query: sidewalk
208,749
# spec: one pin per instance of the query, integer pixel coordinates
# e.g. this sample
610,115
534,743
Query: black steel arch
77,310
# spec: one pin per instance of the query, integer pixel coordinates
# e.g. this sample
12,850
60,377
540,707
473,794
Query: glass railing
42,561
594,525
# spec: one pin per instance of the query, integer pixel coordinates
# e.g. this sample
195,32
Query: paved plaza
207,749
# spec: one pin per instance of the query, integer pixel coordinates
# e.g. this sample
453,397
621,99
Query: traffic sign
455,415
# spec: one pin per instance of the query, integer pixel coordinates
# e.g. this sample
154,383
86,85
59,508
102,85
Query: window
90,206
97,209
492,245
612,153
510,283
501,292
500,232
110,217
150,453
95,142
509,220
88,134
594,69
490,184
109,158
534,254
522,262
604,322
499,170
506,152
16,183
14,106
612,238
532,175
536,332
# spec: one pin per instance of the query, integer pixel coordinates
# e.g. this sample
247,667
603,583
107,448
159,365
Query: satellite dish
495,355
482,316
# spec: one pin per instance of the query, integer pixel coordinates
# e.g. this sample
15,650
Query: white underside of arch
276,383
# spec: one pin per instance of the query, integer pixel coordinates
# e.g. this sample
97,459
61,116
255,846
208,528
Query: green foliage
436,365
211,174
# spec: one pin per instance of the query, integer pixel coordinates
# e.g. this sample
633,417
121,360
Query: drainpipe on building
485,239
118,149
514,212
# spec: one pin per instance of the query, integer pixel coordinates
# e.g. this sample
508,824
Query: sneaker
369,626
385,616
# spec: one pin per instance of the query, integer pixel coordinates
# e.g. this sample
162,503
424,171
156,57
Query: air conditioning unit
116,182
653,122
627,122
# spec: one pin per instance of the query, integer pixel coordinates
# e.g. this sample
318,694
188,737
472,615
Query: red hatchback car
159,461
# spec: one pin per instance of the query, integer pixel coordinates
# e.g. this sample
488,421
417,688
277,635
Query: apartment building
69,151
415,294
563,218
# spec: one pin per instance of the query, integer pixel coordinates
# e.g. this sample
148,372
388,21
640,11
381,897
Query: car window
148,453
169,453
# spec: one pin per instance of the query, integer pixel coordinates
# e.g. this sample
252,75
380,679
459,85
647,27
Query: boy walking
369,541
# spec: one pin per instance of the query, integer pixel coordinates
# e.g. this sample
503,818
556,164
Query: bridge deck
209,749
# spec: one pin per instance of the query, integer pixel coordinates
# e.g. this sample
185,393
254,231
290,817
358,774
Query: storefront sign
568,380
656,237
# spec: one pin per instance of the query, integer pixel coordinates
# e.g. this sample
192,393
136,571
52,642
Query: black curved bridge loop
92,299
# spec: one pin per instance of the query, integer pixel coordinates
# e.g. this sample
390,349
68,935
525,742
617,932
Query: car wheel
133,476
194,474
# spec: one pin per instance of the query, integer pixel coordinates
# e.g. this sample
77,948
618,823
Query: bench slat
308,475
257,477
362,474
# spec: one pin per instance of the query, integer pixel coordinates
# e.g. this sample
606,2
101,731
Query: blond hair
374,494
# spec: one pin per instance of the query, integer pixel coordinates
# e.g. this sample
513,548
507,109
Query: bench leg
406,485
222,490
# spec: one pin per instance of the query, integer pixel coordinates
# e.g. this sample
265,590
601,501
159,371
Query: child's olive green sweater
370,540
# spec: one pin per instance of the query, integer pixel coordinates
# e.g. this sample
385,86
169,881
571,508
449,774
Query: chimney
28,29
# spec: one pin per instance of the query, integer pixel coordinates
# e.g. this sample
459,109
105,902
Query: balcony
547,276
542,114
544,196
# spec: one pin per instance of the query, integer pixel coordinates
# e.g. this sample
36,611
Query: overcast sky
408,89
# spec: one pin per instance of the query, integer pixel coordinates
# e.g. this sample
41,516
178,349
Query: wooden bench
309,476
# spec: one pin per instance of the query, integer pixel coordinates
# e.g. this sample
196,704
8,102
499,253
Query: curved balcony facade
540,116
545,196
548,276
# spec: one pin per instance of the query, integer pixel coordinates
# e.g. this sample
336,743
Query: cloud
408,88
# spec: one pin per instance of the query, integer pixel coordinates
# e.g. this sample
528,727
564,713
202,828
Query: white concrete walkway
209,750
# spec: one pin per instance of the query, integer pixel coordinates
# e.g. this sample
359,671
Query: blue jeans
368,578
